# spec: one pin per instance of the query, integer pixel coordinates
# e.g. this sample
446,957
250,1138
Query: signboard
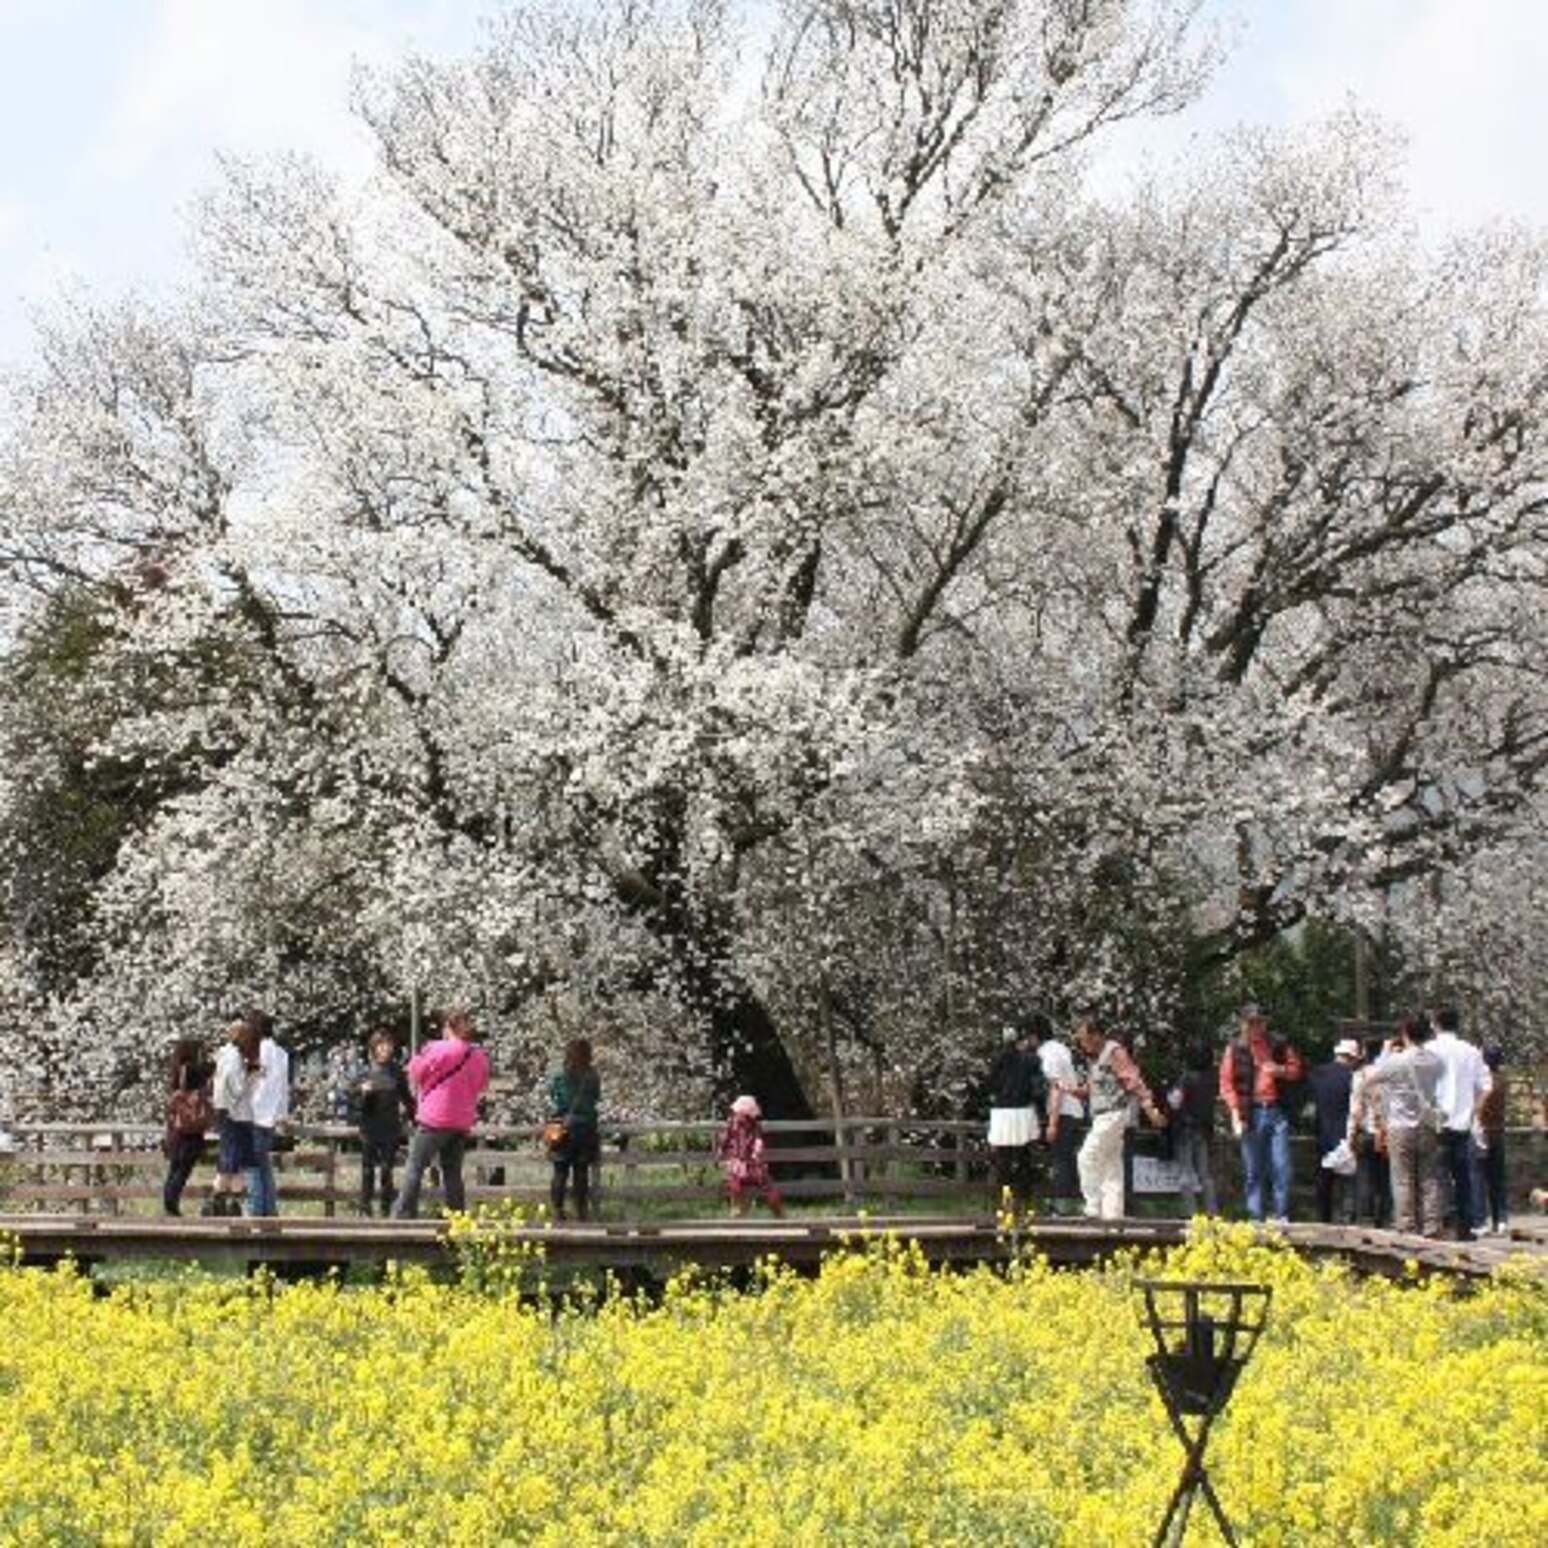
1155,1174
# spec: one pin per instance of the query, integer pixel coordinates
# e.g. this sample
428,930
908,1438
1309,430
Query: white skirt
1011,1126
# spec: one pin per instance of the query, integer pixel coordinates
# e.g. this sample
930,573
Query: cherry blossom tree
726,540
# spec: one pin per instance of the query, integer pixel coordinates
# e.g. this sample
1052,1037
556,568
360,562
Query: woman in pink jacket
448,1077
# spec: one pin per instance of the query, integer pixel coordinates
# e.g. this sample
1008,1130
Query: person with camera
381,1104
1408,1079
448,1076
1254,1075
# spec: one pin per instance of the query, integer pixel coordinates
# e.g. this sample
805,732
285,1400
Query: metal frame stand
1204,1334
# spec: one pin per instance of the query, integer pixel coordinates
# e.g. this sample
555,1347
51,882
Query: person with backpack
190,1116
448,1076
1257,1077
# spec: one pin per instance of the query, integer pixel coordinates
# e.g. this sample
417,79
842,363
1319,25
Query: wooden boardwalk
657,1249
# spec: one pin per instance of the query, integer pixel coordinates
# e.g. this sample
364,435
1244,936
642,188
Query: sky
112,112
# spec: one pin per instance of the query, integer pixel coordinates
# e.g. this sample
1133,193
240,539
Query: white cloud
236,75
1462,78
13,222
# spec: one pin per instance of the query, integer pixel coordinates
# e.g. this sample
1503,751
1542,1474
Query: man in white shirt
1066,1115
1464,1083
271,1106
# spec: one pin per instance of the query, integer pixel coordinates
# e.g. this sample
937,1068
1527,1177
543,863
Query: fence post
846,1161
330,1175
631,1173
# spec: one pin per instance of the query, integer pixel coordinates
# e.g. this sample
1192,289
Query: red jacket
1264,1086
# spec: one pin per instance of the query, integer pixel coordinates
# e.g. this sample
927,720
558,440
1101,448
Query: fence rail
117,1168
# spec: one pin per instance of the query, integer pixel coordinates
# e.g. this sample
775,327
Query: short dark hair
1034,1024
1447,1018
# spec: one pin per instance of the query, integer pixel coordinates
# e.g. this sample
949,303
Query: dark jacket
1330,1099
1195,1110
1016,1079
381,1100
575,1099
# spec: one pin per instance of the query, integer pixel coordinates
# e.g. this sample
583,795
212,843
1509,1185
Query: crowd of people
1409,1131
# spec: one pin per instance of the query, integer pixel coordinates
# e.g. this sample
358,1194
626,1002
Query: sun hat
747,1107
1346,1048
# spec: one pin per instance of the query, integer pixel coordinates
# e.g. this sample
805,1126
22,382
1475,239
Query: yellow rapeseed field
878,1403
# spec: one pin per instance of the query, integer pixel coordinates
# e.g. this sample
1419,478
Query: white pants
1101,1165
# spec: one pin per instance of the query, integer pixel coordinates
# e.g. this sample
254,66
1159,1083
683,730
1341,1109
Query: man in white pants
1113,1080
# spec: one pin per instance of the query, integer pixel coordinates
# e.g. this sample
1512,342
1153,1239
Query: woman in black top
189,1115
382,1103
1192,1101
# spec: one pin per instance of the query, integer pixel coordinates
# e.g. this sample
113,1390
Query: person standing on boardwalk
1192,1103
1464,1083
743,1156
382,1102
1332,1087
574,1092
448,1077
1491,1126
271,1107
1407,1079
190,1113
1066,1122
1253,1076
1113,1085
1016,1097
1367,1136
236,1078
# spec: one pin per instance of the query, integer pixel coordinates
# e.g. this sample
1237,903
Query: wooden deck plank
728,1242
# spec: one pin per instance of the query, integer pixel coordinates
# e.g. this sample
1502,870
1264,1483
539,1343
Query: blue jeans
1456,1151
443,1146
1266,1147
262,1196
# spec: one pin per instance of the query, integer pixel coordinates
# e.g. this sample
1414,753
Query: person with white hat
1330,1088
743,1157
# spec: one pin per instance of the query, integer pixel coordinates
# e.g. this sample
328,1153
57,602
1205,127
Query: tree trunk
746,1051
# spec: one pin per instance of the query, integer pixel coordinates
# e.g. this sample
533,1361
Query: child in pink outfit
741,1153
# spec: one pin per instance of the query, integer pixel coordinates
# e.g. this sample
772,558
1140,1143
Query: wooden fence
647,1169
